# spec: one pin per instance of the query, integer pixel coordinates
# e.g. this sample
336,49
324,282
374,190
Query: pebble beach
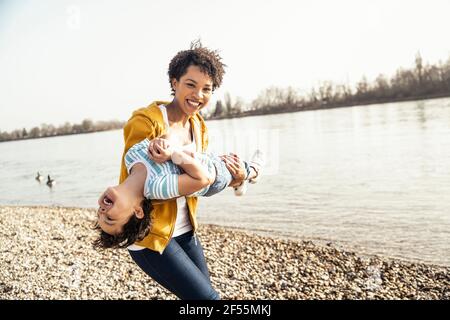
47,253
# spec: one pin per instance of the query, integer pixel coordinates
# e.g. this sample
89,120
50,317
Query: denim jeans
223,177
181,268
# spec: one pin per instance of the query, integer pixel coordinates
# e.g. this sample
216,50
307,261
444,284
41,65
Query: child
123,215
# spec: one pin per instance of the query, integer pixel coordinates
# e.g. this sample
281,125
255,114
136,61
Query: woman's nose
198,94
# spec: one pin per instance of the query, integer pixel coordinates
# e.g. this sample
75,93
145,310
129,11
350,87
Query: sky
71,60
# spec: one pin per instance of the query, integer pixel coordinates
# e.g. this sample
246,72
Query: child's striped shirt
162,178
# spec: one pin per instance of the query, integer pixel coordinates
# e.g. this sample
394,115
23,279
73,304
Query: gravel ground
46,253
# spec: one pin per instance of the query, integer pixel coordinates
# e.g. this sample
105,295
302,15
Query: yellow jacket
148,122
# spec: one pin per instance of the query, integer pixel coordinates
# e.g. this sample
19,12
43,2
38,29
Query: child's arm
195,178
172,185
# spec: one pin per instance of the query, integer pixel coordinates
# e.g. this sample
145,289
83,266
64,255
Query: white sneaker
241,189
256,163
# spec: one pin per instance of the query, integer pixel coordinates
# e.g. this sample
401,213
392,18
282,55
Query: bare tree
219,109
228,103
35,132
87,125
419,67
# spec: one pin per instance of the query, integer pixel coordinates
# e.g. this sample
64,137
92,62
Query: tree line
48,130
421,81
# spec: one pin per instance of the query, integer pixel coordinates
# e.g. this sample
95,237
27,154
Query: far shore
291,109
280,110
46,253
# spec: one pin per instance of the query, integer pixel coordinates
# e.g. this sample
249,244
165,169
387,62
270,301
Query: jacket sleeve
135,130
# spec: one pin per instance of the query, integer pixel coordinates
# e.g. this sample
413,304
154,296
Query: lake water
372,178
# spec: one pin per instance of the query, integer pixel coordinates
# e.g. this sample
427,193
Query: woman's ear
138,212
174,83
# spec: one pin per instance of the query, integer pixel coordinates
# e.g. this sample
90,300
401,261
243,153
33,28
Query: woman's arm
236,168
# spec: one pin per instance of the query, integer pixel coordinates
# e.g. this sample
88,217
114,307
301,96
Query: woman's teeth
193,104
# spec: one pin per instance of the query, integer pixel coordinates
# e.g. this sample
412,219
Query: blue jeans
223,177
181,268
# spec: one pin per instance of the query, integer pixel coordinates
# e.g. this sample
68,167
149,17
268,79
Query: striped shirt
162,178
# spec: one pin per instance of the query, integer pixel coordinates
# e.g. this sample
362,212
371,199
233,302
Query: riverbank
46,253
325,106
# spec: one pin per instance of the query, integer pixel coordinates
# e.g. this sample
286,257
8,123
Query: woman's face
193,90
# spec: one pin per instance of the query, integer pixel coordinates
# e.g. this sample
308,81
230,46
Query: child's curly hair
207,60
134,230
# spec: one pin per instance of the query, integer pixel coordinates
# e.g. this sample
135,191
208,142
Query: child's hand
159,150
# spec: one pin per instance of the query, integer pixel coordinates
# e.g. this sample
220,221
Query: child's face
115,209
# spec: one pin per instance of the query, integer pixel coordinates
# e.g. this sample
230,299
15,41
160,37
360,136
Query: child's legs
176,271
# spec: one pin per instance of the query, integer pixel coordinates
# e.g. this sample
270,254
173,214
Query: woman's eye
190,85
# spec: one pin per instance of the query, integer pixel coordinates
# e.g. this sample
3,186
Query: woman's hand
236,168
159,150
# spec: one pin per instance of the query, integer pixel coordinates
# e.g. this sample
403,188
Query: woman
170,252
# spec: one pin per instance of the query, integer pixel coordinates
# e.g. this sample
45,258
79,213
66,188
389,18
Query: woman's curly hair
134,230
207,60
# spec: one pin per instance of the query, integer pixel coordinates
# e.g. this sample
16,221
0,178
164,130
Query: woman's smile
192,104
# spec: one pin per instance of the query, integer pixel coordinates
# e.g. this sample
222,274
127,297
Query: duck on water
50,182
39,177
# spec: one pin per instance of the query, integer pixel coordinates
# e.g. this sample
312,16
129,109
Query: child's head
122,219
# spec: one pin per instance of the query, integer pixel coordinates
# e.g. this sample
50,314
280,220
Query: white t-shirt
183,223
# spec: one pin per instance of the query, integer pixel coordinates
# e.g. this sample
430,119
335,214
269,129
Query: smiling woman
167,247
194,89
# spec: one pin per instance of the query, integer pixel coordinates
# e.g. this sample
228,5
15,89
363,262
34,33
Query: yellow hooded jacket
148,123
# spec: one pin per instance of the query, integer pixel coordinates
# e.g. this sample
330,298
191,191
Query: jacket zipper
192,224
173,227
